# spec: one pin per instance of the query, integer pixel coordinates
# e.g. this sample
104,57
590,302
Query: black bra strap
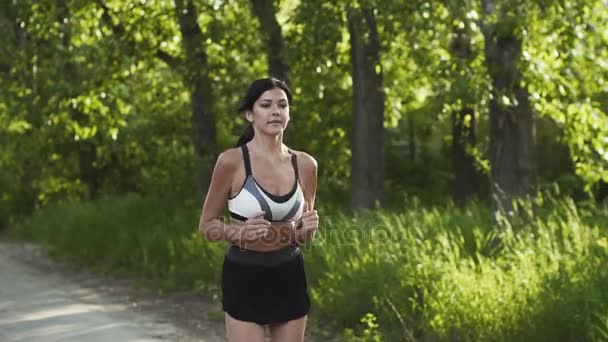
246,160
294,161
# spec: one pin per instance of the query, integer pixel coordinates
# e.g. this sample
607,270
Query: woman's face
270,113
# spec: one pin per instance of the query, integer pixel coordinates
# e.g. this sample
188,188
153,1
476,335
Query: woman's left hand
309,221
308,224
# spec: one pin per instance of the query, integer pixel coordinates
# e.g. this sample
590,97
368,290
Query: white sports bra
252,198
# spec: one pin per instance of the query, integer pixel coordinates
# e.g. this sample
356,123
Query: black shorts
265,294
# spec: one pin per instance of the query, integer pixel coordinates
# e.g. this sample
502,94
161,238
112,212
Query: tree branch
167,58
121,32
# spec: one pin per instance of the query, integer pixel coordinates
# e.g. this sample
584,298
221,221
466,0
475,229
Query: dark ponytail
246,136
256,89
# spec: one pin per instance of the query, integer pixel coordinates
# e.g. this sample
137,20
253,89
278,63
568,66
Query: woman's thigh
240,331
292,331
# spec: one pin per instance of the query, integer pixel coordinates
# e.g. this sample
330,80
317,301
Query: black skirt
265,294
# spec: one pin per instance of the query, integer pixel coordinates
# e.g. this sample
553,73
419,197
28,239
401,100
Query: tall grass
418,274
149,238
453,275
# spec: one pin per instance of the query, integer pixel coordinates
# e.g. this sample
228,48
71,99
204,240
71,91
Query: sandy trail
39,303
47,300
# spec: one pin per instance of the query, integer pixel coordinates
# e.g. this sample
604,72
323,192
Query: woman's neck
269,146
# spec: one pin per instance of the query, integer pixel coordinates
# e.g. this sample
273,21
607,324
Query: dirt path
43,300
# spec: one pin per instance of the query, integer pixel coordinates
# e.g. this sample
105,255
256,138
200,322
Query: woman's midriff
279,236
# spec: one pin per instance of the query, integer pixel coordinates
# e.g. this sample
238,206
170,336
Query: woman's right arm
210,225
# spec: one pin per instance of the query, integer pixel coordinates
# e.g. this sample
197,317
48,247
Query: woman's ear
249,116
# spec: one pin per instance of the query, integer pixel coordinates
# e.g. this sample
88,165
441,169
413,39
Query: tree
464,119
367,139
198,80
84,148
265,11
512,142
194,70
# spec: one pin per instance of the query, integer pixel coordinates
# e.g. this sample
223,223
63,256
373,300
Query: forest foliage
440,112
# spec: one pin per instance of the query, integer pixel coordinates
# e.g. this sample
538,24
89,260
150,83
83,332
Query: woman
270,190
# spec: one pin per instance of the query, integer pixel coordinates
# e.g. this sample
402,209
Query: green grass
421,273
148,238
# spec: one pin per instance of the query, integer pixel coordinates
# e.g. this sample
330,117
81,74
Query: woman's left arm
310,219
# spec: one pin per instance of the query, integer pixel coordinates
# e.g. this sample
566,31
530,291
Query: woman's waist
262,258
280,234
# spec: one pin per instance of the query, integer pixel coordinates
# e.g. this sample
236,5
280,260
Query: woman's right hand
252,230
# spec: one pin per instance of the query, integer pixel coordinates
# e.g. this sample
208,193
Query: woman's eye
283,105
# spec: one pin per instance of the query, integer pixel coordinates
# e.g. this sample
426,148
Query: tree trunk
13,38
411,137
602,192
512,137
465,176
466,182
367,163
265,11
85,149
18,47
199,82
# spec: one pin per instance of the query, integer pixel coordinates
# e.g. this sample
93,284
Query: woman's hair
256,89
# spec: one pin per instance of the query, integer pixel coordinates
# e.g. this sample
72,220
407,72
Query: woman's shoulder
305,159
229,159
